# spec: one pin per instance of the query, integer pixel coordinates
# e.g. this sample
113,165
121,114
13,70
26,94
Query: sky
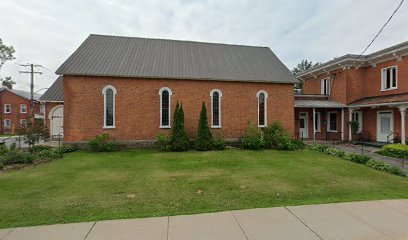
47,32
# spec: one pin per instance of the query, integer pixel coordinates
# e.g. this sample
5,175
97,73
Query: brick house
128,87
371,91
15,109
53,102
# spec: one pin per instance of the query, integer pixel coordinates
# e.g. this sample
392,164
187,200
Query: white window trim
322,84
328,122
21,108
5,125
360,120
161,110
104,106
219,108
266,107
383,78
9,108
319,121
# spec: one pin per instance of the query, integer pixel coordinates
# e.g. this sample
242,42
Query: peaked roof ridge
21,93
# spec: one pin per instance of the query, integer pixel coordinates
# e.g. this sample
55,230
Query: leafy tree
7,82
33,131
6,54
204,139
301,67
179,140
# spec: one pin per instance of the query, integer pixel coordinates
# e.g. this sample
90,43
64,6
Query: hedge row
358,158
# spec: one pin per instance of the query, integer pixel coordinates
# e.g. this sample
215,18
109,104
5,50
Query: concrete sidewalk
386,219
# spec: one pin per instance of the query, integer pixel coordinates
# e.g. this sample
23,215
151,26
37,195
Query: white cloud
46,32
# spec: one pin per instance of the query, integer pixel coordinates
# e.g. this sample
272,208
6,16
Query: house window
23,122
165,101
7,124
325,86
357,116
262,108
317,121
332,122
23,108
389,78
7,108
216,108
109,93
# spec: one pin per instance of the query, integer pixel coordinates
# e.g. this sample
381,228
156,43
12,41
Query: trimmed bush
382,166
218,144
39,148
252,138
203,141
335,152
50,154
163,142
318,148
101,143
395,150
358,158
298,144
179,140
15,157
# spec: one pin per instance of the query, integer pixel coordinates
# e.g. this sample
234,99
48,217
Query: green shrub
318,147
163,142
1,166
101,143
395,150
50,154
382,166
203,141
15,157
358,158
218,144
67,148
179,140
39,148
298,144
275,137
3,149
252,138
334,152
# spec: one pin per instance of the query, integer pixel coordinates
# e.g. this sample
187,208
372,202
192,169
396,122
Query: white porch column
314,125
350,119
342,124
402,110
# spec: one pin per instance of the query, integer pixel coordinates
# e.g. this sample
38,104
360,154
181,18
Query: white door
303,125
385,126
57,122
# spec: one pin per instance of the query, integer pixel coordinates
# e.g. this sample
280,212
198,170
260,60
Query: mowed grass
131,184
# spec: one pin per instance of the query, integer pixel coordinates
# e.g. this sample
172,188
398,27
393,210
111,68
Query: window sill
109,127
262,126
216,127
332,131
388,89
165,127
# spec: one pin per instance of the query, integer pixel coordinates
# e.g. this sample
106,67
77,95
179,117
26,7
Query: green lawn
95,186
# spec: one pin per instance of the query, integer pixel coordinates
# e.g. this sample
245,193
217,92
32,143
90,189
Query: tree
301,67
204,139
33,131
6,54
7,82
179,140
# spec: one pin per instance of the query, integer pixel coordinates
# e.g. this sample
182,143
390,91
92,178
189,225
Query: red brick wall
138,110
7,97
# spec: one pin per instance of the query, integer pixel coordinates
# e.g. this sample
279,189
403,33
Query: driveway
386,219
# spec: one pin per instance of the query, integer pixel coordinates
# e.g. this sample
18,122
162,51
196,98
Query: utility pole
31,72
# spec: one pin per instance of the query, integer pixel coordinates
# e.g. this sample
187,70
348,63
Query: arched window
165,101
109,93
262,108
216,95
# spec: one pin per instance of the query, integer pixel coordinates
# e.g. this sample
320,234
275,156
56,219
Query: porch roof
386,100
318,104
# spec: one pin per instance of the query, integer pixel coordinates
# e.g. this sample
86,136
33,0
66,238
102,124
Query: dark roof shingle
116,56
55,93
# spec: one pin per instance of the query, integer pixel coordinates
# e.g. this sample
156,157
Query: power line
381,29
31,72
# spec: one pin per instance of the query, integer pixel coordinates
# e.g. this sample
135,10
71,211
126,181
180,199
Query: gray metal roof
21,93
55,93
101,55
318,104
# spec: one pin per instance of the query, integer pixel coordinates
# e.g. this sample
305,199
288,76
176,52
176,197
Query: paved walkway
369,220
